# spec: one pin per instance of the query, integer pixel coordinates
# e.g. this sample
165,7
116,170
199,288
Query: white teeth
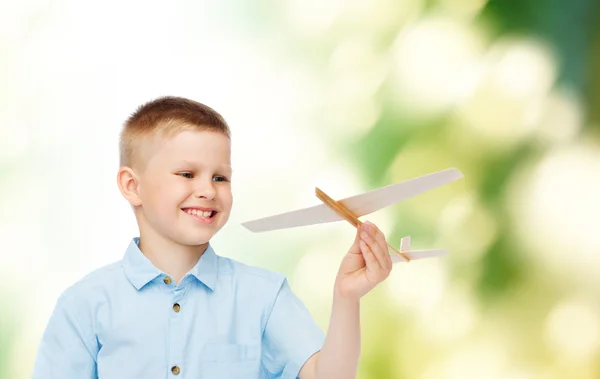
199,213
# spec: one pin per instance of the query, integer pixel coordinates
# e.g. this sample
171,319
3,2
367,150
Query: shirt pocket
229,360
230,352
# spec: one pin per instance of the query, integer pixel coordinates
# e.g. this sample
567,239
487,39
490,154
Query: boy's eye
220,179
187,175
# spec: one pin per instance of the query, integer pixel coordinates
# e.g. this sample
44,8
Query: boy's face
185,188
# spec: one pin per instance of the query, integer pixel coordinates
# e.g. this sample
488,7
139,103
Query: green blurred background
347,96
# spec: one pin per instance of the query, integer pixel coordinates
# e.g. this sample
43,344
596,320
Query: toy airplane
359,205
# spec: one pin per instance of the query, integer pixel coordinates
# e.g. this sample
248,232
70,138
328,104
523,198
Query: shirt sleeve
67,349
291,336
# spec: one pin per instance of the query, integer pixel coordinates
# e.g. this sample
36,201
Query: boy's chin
192,242
195,240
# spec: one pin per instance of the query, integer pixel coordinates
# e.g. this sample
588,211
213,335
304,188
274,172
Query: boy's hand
366,264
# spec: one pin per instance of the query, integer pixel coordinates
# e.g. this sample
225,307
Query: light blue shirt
224,319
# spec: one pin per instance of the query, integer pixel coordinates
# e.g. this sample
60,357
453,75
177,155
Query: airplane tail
420,254
415,254
405,243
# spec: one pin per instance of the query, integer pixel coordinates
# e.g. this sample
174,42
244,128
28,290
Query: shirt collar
140,271
207,268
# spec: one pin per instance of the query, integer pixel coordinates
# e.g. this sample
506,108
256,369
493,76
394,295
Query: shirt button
176,307
175,370
167,280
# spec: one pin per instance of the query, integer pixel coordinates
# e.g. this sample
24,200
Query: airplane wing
307,216
372,201
418,254
359,205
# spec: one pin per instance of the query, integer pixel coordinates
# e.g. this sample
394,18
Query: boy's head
176,170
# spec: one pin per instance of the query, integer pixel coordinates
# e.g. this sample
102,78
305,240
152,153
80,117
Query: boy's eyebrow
225,167
228,168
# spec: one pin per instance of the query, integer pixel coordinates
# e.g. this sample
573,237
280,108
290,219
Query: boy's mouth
202,214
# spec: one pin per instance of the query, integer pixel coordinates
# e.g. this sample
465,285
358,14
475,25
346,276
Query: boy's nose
206,191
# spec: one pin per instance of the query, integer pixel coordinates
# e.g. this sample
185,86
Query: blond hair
166,116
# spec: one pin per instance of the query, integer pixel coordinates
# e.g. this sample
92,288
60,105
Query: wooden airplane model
351,208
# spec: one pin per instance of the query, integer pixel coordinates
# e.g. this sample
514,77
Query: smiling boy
172,307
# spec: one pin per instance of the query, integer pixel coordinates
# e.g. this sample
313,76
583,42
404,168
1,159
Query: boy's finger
381,251
355,248
384,247
374,247
369,256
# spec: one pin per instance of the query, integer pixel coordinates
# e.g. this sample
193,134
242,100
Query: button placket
178,295
176,327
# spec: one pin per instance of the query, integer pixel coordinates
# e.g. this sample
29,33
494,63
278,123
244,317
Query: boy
174,309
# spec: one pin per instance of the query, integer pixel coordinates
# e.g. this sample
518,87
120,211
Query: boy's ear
128,183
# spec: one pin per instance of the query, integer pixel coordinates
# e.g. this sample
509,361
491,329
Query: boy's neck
169,257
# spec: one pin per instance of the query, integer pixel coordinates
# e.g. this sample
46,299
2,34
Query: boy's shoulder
249,281
100,278
237,268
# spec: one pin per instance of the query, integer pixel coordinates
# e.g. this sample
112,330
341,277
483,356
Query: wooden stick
348,216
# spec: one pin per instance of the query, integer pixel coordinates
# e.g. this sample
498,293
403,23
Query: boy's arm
341,350
366,264
67,349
